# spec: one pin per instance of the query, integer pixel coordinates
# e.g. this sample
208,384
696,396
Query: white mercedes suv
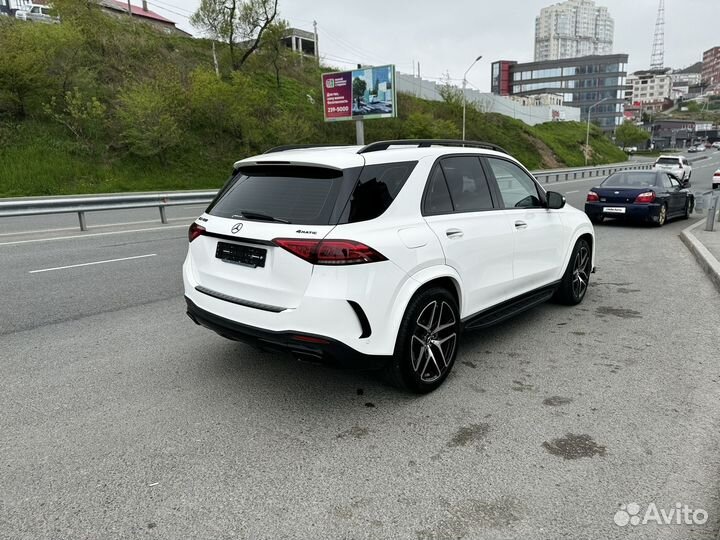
381,256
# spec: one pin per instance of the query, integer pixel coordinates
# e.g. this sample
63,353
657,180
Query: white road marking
81,236
76,228
569,192
92,263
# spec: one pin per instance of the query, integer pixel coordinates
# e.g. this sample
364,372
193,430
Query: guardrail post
163,215
710,223
83,224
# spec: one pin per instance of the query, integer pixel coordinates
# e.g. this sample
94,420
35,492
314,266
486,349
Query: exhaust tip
307,357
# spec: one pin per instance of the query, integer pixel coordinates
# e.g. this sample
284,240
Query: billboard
360,94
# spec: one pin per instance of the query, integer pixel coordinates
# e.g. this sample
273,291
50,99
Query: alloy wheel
433,342
581,271
662,217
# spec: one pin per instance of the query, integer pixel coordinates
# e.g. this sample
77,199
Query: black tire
575,281
425,329
662,217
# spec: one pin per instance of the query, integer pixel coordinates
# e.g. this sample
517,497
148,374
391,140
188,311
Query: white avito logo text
680,514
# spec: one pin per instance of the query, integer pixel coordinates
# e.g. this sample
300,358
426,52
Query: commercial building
672,133
571,29
582,82
711,68
652,89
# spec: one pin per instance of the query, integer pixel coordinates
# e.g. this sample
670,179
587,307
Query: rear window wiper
260,217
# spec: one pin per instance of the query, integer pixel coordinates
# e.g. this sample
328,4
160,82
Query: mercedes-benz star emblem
236,228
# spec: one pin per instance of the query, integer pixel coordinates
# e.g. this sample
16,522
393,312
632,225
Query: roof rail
299,147
426,143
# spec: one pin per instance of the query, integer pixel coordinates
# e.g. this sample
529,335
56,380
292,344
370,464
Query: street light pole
587,135
464,86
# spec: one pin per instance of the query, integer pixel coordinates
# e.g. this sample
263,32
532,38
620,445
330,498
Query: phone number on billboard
338,109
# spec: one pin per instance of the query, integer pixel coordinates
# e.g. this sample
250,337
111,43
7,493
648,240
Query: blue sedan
650,196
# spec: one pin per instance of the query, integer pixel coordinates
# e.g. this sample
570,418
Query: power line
187,18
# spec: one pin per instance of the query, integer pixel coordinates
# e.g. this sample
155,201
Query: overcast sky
447,36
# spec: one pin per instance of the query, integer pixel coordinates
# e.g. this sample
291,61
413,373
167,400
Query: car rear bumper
632,211
304,346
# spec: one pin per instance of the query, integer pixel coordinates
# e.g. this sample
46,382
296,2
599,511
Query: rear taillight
647,197
330,252
194,231
592,197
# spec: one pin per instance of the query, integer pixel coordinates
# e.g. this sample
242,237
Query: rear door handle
453,233
520,225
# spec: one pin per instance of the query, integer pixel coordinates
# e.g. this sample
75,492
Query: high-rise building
585,82
711,68
571,29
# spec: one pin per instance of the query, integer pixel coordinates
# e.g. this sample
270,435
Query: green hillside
98,104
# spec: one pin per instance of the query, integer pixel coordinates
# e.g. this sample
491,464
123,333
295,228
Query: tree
629,134
359,87
236,22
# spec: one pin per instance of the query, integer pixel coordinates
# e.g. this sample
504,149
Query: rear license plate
244,255
614,210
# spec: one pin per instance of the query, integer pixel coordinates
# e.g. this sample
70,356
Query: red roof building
142,13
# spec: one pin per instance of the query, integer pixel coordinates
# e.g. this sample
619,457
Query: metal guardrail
564,175
81,205
34,206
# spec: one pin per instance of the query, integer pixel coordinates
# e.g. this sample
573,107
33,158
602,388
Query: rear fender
414,284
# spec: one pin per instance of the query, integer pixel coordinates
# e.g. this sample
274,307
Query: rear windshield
631,179
667,161
303,195
312,195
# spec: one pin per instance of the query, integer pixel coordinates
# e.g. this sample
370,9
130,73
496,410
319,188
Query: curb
707,260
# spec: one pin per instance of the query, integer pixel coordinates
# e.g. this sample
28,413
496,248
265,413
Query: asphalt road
121,419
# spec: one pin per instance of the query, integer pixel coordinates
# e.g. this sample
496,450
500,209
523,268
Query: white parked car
678,166
37,13
716,180
381,256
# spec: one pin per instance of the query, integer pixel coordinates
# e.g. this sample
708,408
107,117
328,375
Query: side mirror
555,200
686,183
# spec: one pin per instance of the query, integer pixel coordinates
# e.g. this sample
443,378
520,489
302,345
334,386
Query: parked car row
382,256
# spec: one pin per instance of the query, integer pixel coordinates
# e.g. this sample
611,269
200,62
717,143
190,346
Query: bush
149,115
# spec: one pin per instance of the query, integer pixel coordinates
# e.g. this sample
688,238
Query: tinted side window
518,190
377,188
674,183
666,181
437,199
468,186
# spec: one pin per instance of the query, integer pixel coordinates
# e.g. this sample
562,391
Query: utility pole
587,136
464,87
129,9
317,50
